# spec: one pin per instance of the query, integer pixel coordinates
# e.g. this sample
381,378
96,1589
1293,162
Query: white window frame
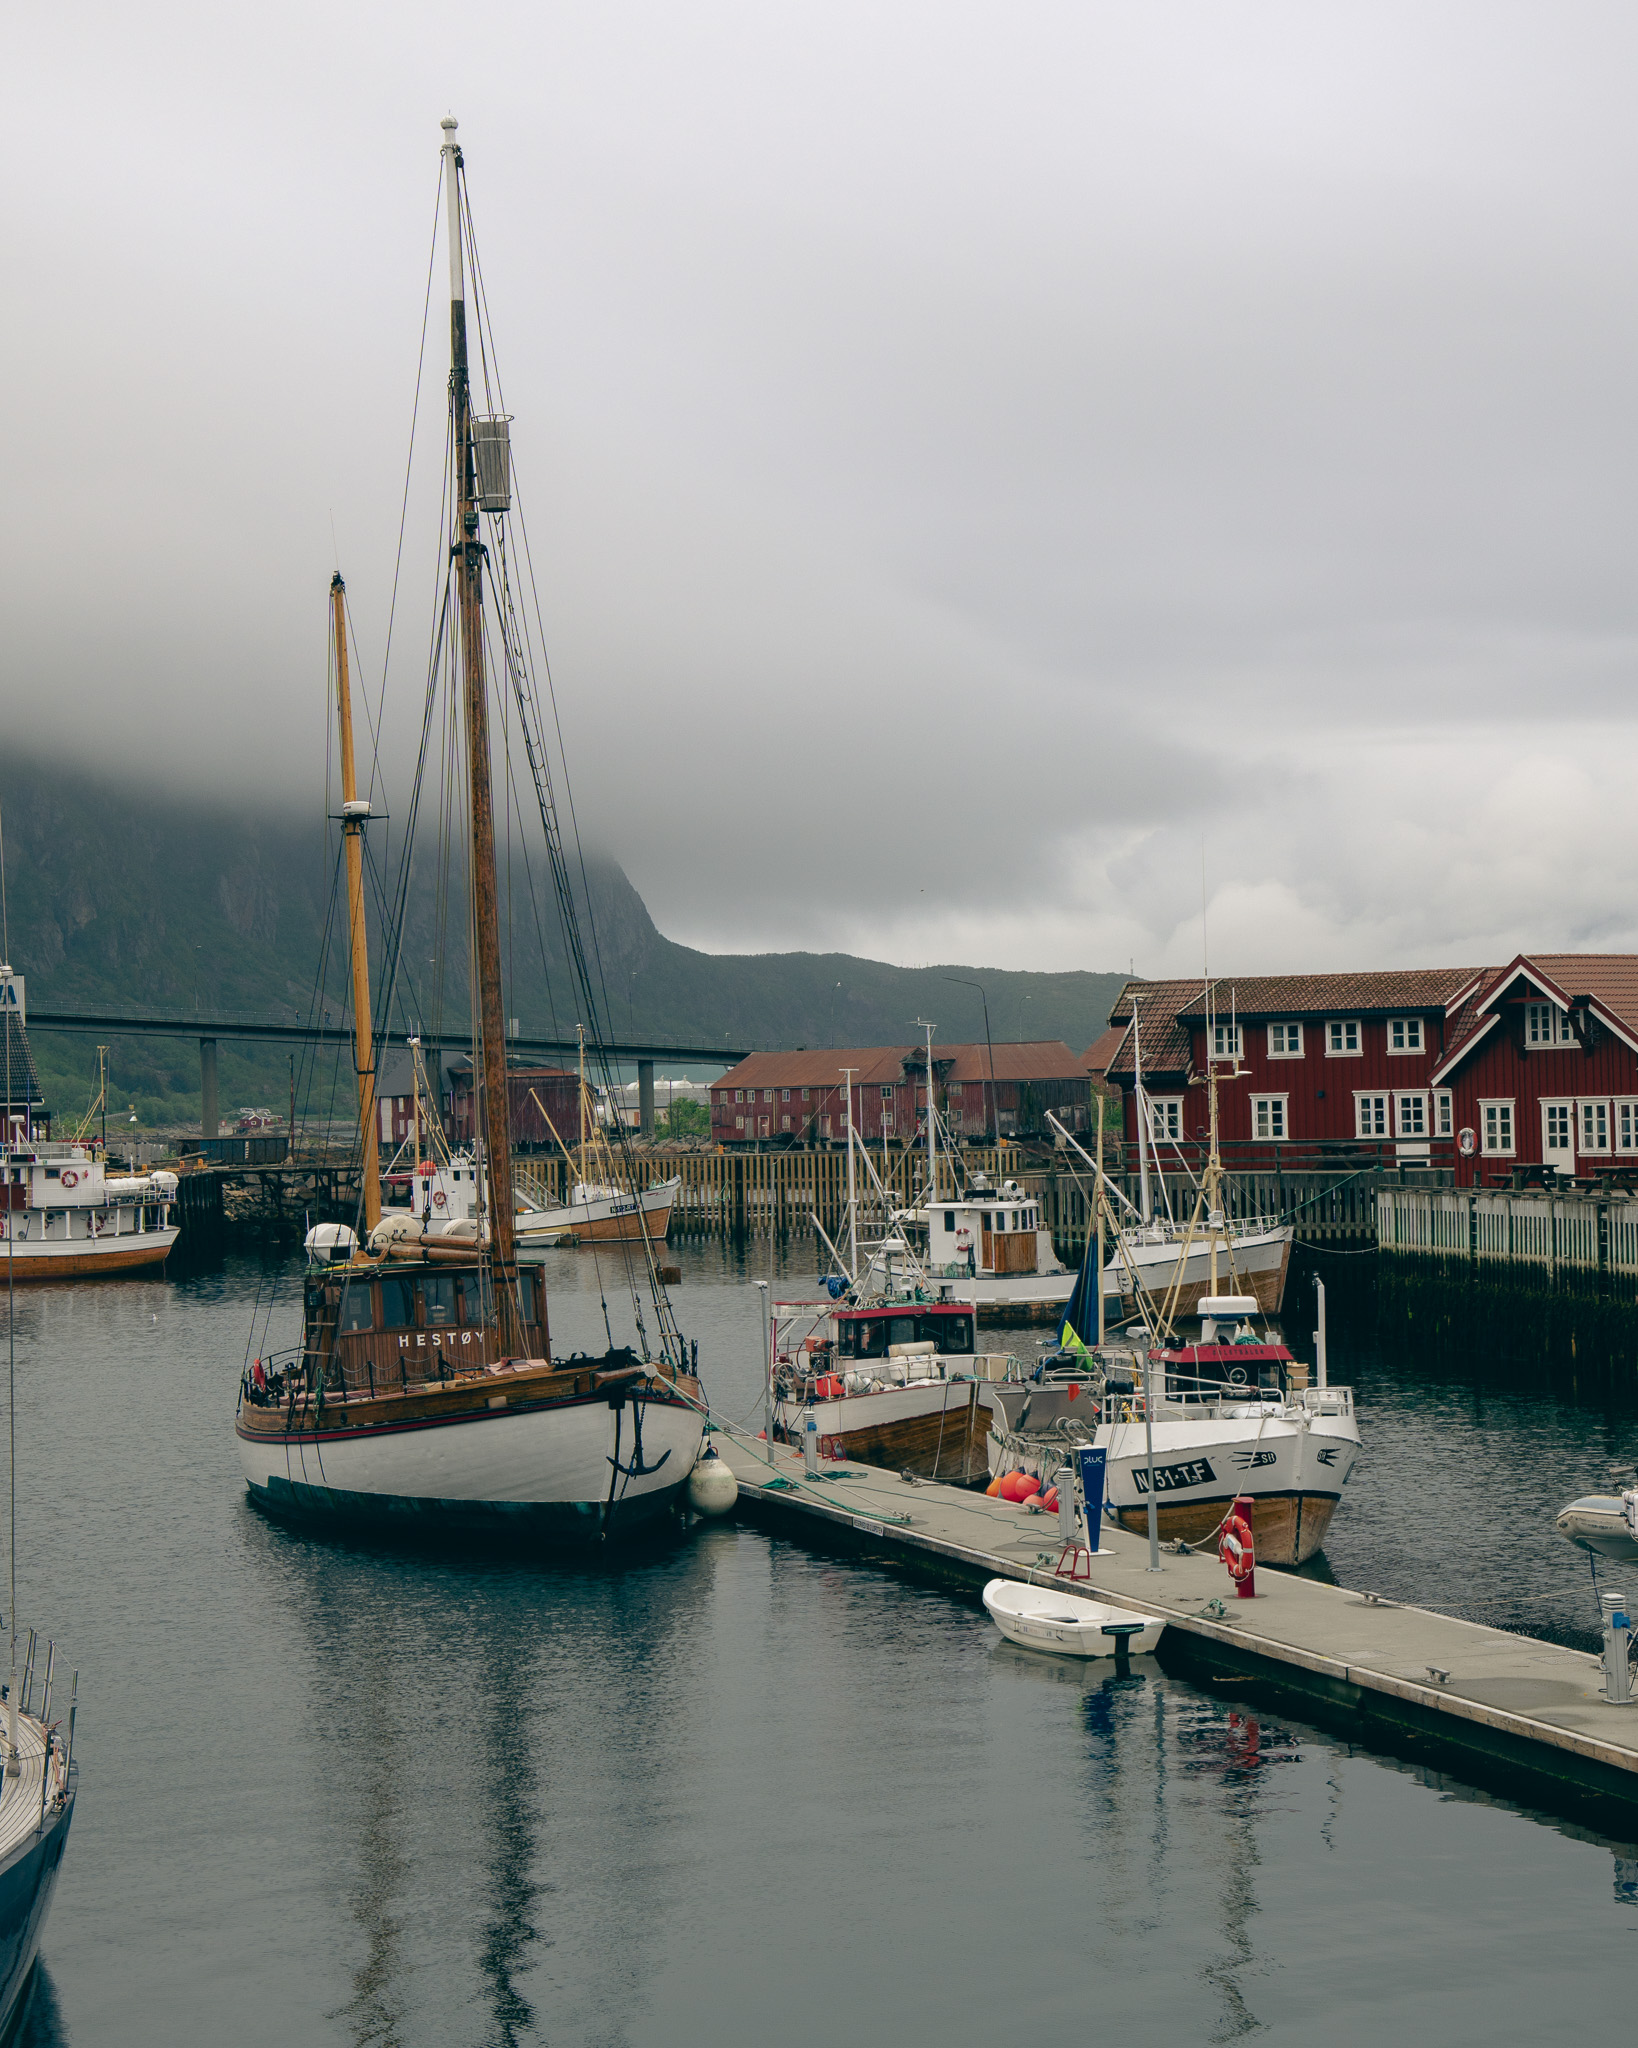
1498,1123
1286,1048
1228,1041
1591,1111
1405,1028
1624,1123
1366,1124
1542,1020
1165,1118
1444,1113
1271,1119
1336,1031
1419,1113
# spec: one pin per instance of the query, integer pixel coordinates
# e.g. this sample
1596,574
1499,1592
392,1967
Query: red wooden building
799,1097
533,1093
1484,1069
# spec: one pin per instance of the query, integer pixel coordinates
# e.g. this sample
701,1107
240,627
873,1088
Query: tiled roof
1102,1050
1610,980
1330,995
1165,1041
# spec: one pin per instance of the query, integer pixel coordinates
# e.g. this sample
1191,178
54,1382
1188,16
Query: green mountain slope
154,903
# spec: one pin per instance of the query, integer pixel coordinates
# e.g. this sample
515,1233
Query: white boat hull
83,1257
574,1470
1260,1264
1291,1462
610,1218
1063,1624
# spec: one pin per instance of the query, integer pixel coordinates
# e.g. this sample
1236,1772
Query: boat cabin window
438,1296
397,1305
526,1297
356,1311
949,1219
869,1337
477,1298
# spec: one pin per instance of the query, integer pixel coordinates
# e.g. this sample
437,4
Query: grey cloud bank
1087,435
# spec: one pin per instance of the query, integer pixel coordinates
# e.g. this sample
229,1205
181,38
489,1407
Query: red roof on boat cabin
1226,1354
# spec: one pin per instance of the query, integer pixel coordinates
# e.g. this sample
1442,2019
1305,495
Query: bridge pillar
645,1097
208,1111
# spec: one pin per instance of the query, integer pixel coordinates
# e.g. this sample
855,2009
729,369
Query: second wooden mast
354,810
468,551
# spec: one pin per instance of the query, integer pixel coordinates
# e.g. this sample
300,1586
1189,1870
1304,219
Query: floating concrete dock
1523,1717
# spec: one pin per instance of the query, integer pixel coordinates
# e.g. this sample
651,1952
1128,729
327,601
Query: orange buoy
993,1489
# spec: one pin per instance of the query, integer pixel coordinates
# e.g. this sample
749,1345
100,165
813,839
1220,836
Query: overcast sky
982,459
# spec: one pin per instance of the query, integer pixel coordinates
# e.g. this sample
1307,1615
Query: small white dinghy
1605,1523
1042,1618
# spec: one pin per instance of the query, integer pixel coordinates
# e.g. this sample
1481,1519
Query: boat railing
1232,1228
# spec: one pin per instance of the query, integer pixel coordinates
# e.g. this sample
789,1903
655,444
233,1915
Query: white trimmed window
1165,1118
1595,1125
1496,1128
1444,1113
1558,1133
1626,1123
1370,1116
1410,1115
784,1095
767,1094
739,1123
1405,1034
1285,1041
739,1094
1227,1041
1547,1024
1341,1038
1268,1117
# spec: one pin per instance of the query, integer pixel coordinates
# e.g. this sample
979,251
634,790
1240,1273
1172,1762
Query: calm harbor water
734,1791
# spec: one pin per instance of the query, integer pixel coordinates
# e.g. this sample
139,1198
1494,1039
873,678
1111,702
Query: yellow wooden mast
354,810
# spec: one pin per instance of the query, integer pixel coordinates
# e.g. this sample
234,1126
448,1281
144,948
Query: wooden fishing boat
423,1393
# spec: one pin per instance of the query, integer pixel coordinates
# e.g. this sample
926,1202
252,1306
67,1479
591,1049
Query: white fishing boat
423,1394
986,1245
63,1216
1066,1624
1190,1428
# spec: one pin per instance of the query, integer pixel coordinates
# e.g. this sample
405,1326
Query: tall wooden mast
469,553
354,810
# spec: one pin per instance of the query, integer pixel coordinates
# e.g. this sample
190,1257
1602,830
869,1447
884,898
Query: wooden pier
1548,1232
1522,1716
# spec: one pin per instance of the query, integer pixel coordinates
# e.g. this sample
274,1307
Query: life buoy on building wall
1467,1141
70,1178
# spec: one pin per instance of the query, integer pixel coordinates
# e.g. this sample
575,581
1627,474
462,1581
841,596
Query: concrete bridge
210,1031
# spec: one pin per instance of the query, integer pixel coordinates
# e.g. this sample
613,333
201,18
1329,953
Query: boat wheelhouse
986,1245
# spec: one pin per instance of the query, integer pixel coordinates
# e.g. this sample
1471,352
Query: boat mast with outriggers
423,1393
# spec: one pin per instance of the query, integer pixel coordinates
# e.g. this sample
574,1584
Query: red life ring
70,1178
1234,1548
438,1199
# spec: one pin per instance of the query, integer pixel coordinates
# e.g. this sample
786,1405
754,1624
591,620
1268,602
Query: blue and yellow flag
1080,1323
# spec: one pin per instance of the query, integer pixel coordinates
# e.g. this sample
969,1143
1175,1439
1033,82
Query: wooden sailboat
424,1391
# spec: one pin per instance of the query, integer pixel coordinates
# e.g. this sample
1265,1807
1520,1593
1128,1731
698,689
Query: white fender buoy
712,1488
